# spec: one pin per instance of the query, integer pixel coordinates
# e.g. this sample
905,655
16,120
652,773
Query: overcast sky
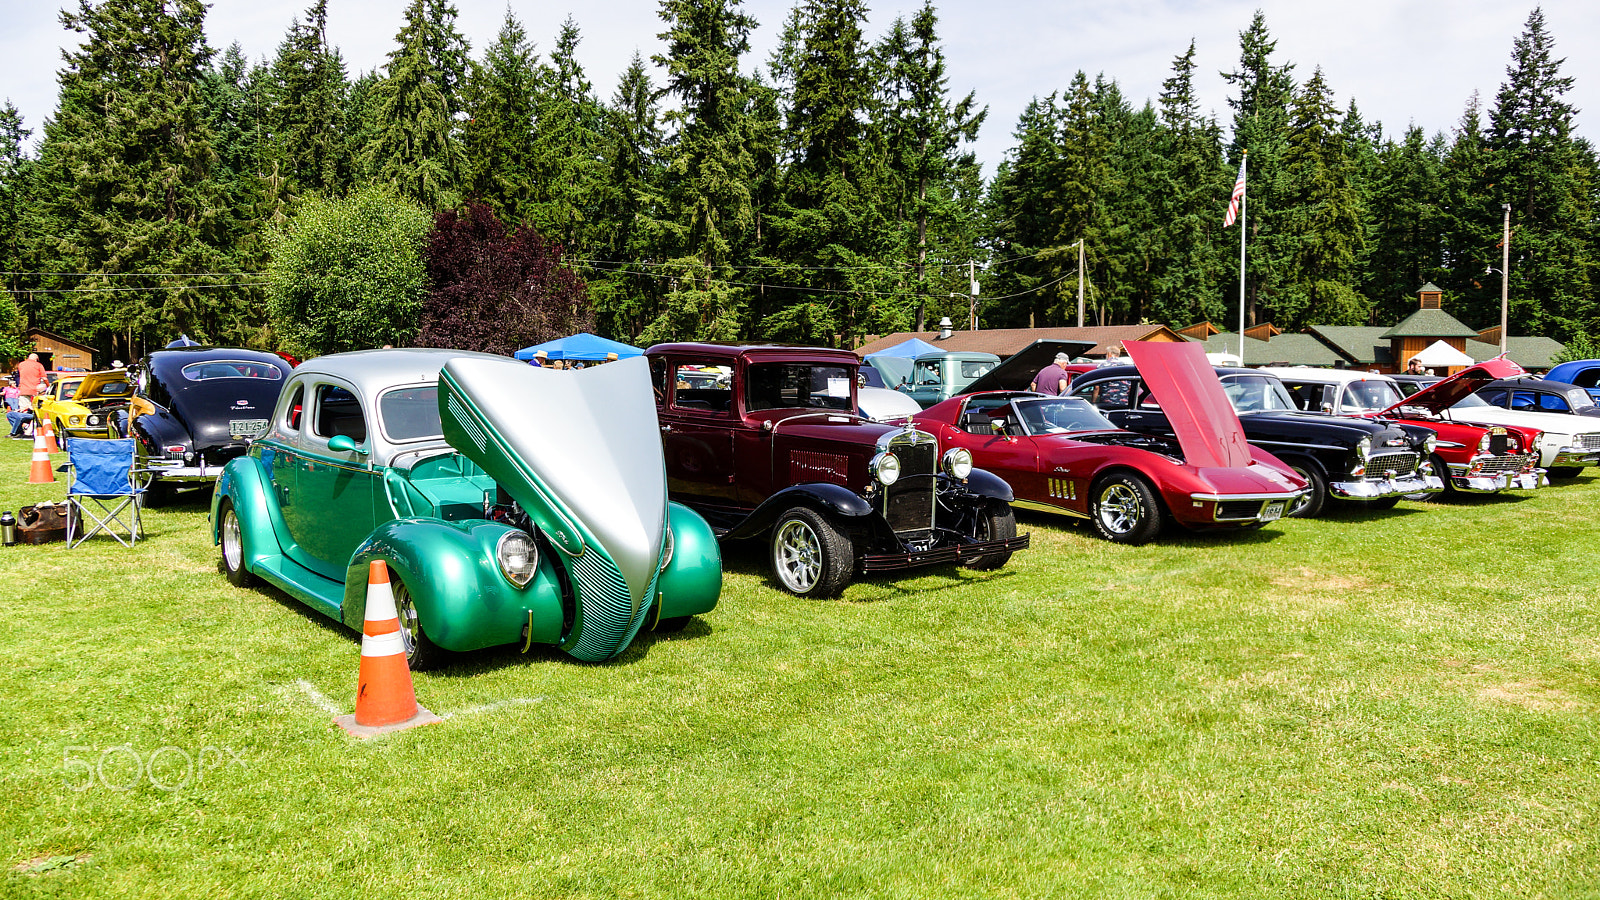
1403,61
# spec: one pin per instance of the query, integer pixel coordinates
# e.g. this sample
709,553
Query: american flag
1238,194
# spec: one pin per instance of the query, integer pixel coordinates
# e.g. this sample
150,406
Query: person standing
1054,378
31,380
1113,356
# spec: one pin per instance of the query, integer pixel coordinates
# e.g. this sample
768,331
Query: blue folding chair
103,488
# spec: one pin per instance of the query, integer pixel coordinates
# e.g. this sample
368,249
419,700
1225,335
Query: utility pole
1505,274
1080,282
972,313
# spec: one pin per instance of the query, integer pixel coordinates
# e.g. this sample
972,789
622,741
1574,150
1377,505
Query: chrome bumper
1574,457
183,473
1379,488
1249,507
1488,484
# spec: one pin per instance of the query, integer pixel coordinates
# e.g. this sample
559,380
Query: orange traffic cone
385,700
50,445
40,473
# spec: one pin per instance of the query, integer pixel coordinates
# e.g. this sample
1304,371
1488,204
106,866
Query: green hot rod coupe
512,504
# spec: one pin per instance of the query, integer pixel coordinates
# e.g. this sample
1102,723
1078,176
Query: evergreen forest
489,198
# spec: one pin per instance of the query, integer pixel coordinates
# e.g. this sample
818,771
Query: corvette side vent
608,615
469,423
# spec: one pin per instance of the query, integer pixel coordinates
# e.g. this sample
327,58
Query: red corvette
1060,455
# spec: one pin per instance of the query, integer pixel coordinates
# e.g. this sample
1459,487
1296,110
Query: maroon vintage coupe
1060,455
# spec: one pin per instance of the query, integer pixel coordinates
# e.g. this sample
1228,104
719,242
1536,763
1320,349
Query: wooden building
60,354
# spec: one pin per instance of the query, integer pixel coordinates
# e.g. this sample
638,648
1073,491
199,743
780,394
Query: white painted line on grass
318,697
492,707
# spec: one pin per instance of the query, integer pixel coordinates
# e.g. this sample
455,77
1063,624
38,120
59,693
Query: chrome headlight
957,463
74,420
1358,466
667,547
1483,443
885,467
1430,444
1364,447
518,556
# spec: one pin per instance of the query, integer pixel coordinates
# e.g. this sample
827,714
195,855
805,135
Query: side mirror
1327,409
345,444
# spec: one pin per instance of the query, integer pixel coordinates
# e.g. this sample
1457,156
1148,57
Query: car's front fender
828,499
244,482
985,483
463,601
692,581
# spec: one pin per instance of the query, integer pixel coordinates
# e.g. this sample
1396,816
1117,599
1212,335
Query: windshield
1368,396
973,369
1257,393
1055,415
411,414
789,386
230,368
1471,401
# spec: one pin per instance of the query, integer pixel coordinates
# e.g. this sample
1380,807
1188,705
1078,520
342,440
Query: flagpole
1244,201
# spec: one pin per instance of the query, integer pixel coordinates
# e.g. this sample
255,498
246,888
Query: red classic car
1061,455
764,442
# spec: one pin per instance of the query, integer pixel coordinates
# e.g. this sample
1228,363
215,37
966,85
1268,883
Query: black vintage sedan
195,408
1538,395
1372,462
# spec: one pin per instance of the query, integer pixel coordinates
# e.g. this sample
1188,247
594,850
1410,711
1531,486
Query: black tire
676,623
233,547
61,434
421,653
1310,505
1563,472
810,557
996,522
1382,503
1124,509
1442,469
157,495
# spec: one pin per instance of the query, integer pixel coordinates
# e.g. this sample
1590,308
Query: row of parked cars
519,505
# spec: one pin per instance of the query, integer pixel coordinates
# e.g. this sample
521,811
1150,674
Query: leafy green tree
565,160
1322,212
14,165
416,149
625,298
1261,126
925,131
309,150
1022,220
1470,224
498,135
1186,267
1405,230
127,189
231,93
1537,167
348,273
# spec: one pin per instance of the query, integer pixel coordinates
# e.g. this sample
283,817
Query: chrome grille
1494,465
1239,509
908,503
608,616
1589,440
1403,462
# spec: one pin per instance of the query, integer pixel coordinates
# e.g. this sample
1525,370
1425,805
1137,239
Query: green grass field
1385,705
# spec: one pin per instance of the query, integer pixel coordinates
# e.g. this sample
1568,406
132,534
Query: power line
786,287
140,274
195,287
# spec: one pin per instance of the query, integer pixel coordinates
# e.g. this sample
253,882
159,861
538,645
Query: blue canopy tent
910,348
581,346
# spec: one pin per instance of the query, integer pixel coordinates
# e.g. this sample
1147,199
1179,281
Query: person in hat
540,359
1054,378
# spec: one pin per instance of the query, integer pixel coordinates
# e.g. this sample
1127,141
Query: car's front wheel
996,522
810,557
1124,510
1561,472
421,653
1309,504
233,547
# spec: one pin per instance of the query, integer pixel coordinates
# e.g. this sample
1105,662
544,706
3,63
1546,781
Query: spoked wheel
421,653
809,555
233,548
1124,510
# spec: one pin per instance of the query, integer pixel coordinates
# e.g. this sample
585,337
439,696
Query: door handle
666,429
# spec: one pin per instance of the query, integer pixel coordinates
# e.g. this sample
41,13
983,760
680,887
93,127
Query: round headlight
1364,447
518,556
1430,444
1483,443
667,547
885,467
958,463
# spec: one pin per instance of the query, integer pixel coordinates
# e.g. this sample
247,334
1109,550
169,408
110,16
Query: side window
338,412
1493,396
1110,394
1147,400
1553,403
702,387
1306,396
927,372
296,407
658,378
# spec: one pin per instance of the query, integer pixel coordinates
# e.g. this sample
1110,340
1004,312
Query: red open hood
1440,396
1190,395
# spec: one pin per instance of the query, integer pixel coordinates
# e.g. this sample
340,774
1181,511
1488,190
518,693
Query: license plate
1273,512
247,428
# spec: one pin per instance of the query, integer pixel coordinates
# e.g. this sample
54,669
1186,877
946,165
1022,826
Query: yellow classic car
89,405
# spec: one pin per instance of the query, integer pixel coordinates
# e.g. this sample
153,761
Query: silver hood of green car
580,450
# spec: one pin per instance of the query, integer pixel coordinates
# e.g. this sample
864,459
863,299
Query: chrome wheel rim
232,542
1119,509
1304,500
406,612
798,554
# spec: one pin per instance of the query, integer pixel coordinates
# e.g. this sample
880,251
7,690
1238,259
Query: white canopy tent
1439,355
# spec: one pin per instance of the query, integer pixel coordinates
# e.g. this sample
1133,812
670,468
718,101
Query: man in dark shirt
1054,378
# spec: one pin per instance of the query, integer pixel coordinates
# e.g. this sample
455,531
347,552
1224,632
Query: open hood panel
1191,396
1438,397
1016,373
579,450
